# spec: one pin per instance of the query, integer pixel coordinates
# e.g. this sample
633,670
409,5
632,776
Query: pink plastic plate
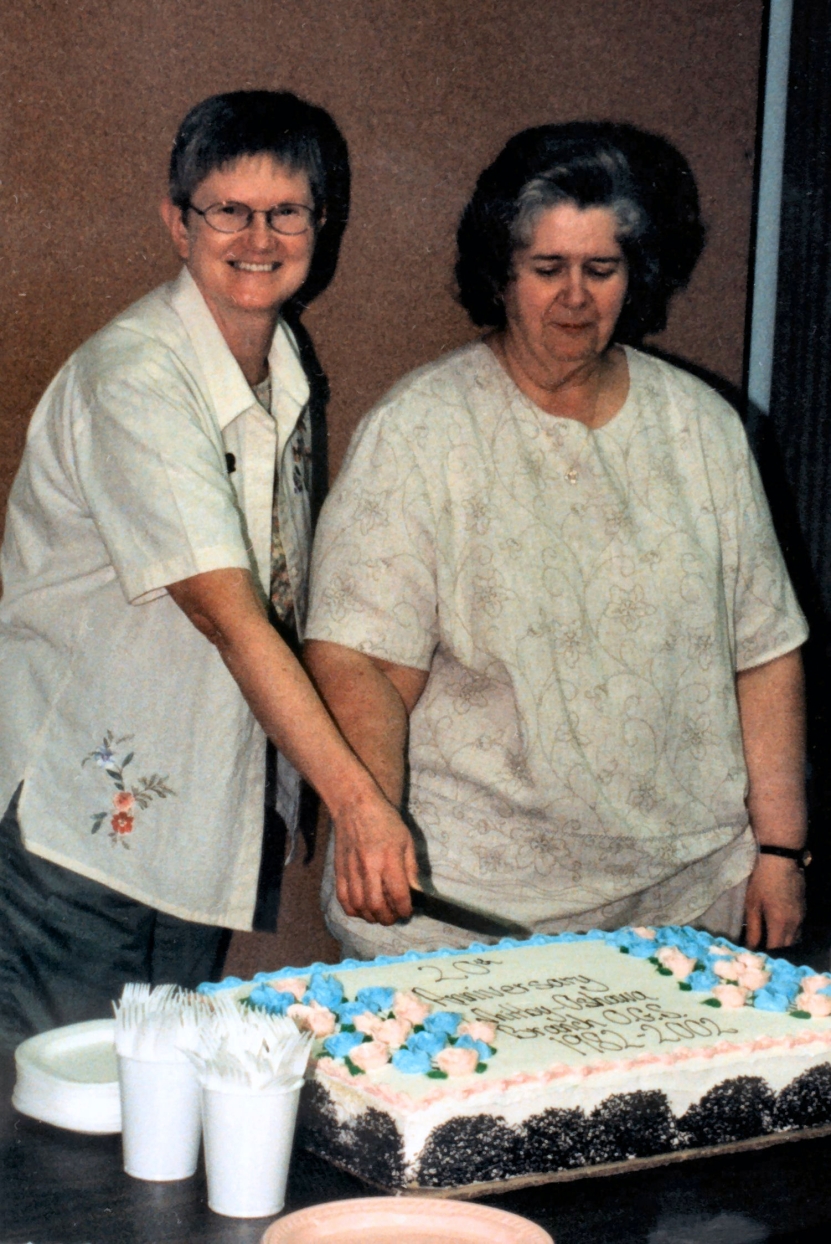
403,1220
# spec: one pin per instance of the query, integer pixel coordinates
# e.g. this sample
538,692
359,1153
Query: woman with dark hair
155,566
546,589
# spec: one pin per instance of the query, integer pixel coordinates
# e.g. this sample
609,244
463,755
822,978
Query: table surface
58,1187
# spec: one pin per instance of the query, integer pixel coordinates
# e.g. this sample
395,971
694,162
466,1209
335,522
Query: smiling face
567,290
251,273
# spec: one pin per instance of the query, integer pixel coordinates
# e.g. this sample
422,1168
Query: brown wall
426,92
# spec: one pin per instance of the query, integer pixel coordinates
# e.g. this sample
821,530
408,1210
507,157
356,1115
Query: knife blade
444,909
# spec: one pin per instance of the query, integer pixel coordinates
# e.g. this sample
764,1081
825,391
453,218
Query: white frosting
575,1022
571,1011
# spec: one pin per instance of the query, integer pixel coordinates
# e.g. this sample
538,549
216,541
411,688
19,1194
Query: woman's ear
174,221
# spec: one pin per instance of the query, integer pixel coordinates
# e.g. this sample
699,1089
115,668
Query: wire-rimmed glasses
231,217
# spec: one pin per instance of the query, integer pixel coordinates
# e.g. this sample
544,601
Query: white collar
230,392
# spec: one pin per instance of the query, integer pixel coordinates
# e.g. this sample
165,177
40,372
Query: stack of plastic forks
250,1066
160,1096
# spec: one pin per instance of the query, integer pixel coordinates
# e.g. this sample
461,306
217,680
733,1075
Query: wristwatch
800,855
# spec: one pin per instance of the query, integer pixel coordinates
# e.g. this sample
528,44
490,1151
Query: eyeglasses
287,218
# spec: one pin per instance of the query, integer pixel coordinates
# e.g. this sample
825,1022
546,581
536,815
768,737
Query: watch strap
800,855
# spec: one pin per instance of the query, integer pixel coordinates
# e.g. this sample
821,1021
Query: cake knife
449,912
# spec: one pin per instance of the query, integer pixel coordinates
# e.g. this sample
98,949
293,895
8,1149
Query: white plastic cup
161,1120
248,1138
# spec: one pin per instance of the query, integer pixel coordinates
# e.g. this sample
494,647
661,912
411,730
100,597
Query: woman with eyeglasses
154,573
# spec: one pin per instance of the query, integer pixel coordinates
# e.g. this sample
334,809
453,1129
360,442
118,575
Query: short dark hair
300,135
639,176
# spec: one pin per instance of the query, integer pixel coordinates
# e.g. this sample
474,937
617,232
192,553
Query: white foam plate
69,1077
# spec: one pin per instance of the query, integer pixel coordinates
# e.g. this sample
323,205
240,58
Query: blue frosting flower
445,1022
643,949
347,1011
468,1043
426,1043
412,1062
327,990
688,941
342,1043
700,945
703,979
768,999
376,998
785,978
272,1000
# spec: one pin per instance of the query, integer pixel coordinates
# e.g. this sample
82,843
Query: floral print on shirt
127,802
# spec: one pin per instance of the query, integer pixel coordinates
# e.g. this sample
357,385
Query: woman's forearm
771,705
371,701
772,709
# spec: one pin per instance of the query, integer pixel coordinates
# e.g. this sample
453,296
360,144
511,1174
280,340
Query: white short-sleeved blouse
148,460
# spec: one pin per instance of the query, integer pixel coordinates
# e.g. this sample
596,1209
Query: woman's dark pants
69,944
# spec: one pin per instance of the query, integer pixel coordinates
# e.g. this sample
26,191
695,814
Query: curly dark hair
300,135
640,176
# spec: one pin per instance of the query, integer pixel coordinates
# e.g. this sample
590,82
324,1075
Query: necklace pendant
571,475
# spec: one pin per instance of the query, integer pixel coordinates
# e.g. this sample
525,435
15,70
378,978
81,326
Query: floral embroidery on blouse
126,801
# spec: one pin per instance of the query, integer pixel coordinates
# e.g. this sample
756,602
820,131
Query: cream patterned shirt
147,461
582,600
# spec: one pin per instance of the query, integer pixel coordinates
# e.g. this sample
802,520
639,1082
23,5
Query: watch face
805,858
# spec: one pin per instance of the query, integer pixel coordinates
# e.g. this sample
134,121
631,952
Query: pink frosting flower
641,931
727,969
748,960
408,1006
676,961
454,1061
813,984
393,1032
291,984
718,950
731,996
367,1023
370,1055
316,1019
816,1004
753,978
322,1021
479,1030
123,801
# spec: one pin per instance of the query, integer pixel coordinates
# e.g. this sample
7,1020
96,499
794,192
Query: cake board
496,1187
